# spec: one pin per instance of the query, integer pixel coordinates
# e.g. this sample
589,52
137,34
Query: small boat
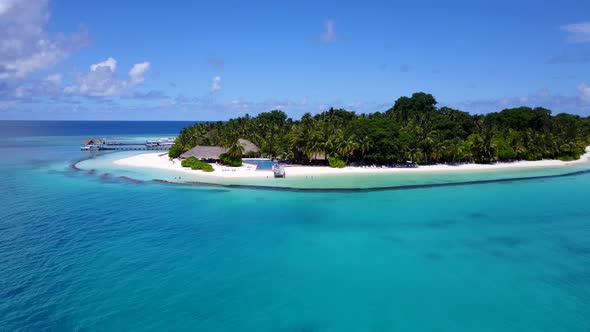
278,170
90,147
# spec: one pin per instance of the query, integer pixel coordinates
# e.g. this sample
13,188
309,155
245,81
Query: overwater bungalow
94,141
92,144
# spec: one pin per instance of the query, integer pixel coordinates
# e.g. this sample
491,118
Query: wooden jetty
132,148
103,144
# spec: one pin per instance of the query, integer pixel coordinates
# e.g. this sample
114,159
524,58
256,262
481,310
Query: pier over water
101,144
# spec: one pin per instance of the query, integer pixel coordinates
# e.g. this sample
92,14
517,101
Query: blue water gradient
81,253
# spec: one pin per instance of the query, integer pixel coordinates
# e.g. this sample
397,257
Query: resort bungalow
93,141
212,153
250,149
92,144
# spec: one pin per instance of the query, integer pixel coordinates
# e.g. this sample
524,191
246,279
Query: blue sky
213,60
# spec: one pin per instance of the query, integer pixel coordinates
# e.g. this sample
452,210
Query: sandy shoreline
161,161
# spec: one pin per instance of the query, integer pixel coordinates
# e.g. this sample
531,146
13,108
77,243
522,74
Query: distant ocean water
78,252
25,128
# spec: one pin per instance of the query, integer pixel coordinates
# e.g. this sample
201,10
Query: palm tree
333,144
454,149
414,154
428,143
314,142
482,147
347,147
438,149
234,148
364,145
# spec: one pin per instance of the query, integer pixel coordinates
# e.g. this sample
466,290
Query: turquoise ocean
84,252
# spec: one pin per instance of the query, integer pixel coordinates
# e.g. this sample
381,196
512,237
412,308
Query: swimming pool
260,163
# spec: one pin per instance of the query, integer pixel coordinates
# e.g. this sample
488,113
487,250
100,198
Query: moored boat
278,170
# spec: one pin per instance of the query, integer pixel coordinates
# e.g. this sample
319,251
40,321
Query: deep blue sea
83,253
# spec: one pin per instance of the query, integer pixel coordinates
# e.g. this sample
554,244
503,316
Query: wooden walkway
132,148
115,143
105,144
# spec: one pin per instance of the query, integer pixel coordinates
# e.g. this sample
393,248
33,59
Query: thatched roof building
204,152
213,152
249,147
97,141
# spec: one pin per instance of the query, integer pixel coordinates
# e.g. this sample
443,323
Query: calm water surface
82,253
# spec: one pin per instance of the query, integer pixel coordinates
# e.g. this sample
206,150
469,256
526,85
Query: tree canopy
414,129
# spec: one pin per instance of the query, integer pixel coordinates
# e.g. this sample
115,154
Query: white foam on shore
162,162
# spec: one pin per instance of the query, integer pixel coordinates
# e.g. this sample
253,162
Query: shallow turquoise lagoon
78,252
103,165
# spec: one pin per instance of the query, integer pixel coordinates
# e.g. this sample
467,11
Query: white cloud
577,32
54,79
5,5
25,47
32,90
109,63
138,72
101,80
584,90
575,104
151,95
329,34
216,84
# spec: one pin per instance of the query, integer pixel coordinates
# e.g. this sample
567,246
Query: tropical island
412,136
414,129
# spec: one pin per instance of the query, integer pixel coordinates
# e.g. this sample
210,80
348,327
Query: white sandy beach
161,161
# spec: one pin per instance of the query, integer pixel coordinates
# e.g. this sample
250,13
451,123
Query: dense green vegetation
336,162
195,164
176,150
413,129
228,160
